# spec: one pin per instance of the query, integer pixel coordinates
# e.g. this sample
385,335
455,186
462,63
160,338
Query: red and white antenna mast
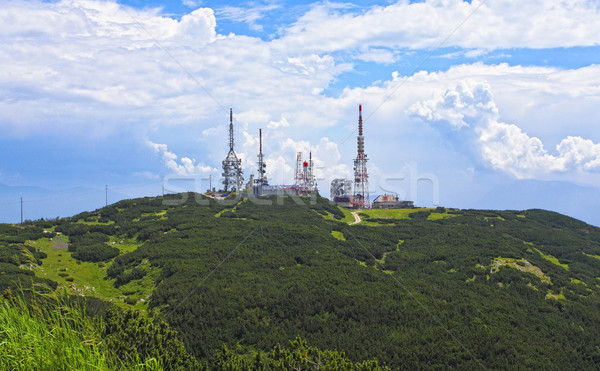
361,177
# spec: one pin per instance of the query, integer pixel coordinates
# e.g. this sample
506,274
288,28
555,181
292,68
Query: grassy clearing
520,264
404,213
123,244
392,213
339,235
494,218
162,214
592,256
552,296
88,278
348,218
81,221
218,215
552,259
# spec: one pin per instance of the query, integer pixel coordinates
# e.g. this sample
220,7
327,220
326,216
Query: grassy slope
284,249
507,311
89,278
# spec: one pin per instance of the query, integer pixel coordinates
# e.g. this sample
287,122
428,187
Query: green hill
414,289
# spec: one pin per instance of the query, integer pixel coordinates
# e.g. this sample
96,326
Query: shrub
95,253
132,334
419,215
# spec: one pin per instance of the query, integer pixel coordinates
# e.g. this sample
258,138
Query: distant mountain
11,191
564,197
39,202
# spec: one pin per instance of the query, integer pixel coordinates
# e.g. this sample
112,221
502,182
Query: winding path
356,218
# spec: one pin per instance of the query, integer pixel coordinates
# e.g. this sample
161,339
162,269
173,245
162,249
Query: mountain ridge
419,288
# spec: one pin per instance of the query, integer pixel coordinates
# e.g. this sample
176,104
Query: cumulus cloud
469,107
85,67
183,166
489,25
101,63
282,123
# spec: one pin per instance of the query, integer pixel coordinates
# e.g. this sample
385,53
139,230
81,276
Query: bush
126,277
95,253
130,301
131,334
419,215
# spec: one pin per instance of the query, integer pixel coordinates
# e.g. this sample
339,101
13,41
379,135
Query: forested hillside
413,289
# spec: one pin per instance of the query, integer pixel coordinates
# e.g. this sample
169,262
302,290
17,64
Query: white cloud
192,3
183,166
94,67
282,123
377,55
458,106
249,16
469,106
488,25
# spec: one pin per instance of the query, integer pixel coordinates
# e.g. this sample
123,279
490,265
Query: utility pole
21,210
163,186
107,195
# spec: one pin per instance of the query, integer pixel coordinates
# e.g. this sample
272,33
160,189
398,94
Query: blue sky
466,104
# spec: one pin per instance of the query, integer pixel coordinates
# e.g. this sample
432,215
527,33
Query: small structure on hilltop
340,192
391,202
232,166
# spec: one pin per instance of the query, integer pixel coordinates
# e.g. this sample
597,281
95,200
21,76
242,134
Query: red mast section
361,177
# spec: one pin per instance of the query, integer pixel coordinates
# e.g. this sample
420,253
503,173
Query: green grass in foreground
33,337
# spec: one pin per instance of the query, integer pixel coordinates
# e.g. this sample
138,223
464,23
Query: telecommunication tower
305,179
261,178
361,177
299,177
311,183
232,166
